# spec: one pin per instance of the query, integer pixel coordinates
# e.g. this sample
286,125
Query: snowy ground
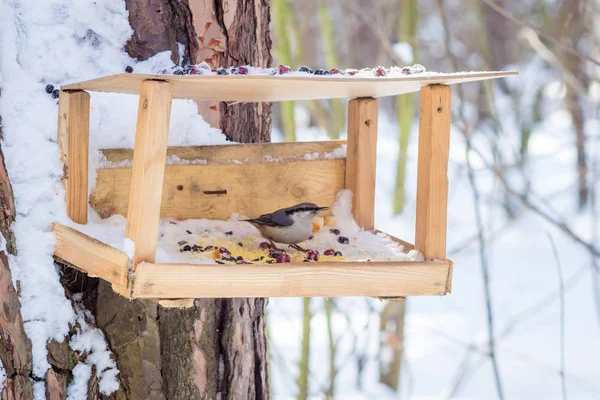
60,41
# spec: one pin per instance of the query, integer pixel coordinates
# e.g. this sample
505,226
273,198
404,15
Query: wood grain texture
432,173
264,88
73,139
91,256
361,159
148,171
252,189
225,154
294,279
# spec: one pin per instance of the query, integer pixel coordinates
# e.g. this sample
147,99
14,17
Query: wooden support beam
92,257
432,175
181,281
361,158
148,171
73,139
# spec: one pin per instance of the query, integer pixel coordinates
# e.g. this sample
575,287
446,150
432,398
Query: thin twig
478,214
561,286
565,46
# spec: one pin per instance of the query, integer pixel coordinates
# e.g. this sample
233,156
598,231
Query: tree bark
218,346
15,347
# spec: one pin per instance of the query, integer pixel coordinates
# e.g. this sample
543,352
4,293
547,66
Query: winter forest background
523,319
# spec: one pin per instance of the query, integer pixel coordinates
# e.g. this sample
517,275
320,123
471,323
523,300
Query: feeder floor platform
171,283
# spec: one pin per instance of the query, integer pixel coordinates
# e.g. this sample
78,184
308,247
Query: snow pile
195,241
339,152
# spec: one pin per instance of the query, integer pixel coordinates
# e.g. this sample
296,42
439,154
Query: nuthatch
290,225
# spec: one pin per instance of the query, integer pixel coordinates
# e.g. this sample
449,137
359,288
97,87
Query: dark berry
129,69
335,231
223,250
49,88
275,254
187,247
334,71
264,245
329,252
228,233
343,240
283,258
380,71
242,262
222,71
312,255
209,247
321,72
270,261
243,71
194,71
55,93
283,69
178,72
239,258
234,71
407,71
304,68
240,244
337,254
197,249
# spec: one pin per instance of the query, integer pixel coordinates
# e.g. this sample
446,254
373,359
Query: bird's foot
295,246
274,247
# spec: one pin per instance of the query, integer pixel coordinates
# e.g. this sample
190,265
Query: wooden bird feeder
151,189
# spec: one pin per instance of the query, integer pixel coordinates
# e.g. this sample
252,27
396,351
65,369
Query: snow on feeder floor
166,193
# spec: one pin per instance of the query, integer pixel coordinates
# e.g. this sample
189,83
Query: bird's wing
277,219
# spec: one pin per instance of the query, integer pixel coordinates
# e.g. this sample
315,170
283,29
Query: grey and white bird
290,225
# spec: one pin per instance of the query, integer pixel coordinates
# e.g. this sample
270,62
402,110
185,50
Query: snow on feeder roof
145,185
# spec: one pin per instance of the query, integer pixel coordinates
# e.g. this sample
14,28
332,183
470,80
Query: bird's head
304,211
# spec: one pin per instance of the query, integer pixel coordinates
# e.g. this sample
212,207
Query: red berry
312,255
284,258
380,71
351,71
329,252
243,71
283,69
334,71
418,69
223,250
407,71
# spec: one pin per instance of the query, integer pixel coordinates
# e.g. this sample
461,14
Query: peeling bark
7,206
159,25
56,386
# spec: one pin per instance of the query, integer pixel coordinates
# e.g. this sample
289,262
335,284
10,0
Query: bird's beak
320,209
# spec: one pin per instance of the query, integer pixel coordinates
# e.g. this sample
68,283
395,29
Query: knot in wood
179,187
440,109
145,105
368,122
298,191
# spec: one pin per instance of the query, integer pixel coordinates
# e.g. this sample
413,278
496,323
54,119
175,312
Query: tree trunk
15,347
219,345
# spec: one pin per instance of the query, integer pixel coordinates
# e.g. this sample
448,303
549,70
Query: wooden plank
361,159
176,303
252,189
93,257
294,279
226,154
73,140
432,173
250,88
148,171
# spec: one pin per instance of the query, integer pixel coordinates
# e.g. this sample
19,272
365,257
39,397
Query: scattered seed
188,232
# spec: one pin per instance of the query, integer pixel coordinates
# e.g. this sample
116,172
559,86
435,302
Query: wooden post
73,139
149,158
361,158
432,175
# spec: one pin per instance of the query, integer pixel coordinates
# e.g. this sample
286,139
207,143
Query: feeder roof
258,88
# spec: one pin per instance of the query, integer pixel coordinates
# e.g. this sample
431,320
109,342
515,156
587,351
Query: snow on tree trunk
15,347
219,345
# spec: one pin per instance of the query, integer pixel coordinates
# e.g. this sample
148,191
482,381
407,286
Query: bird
290,225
